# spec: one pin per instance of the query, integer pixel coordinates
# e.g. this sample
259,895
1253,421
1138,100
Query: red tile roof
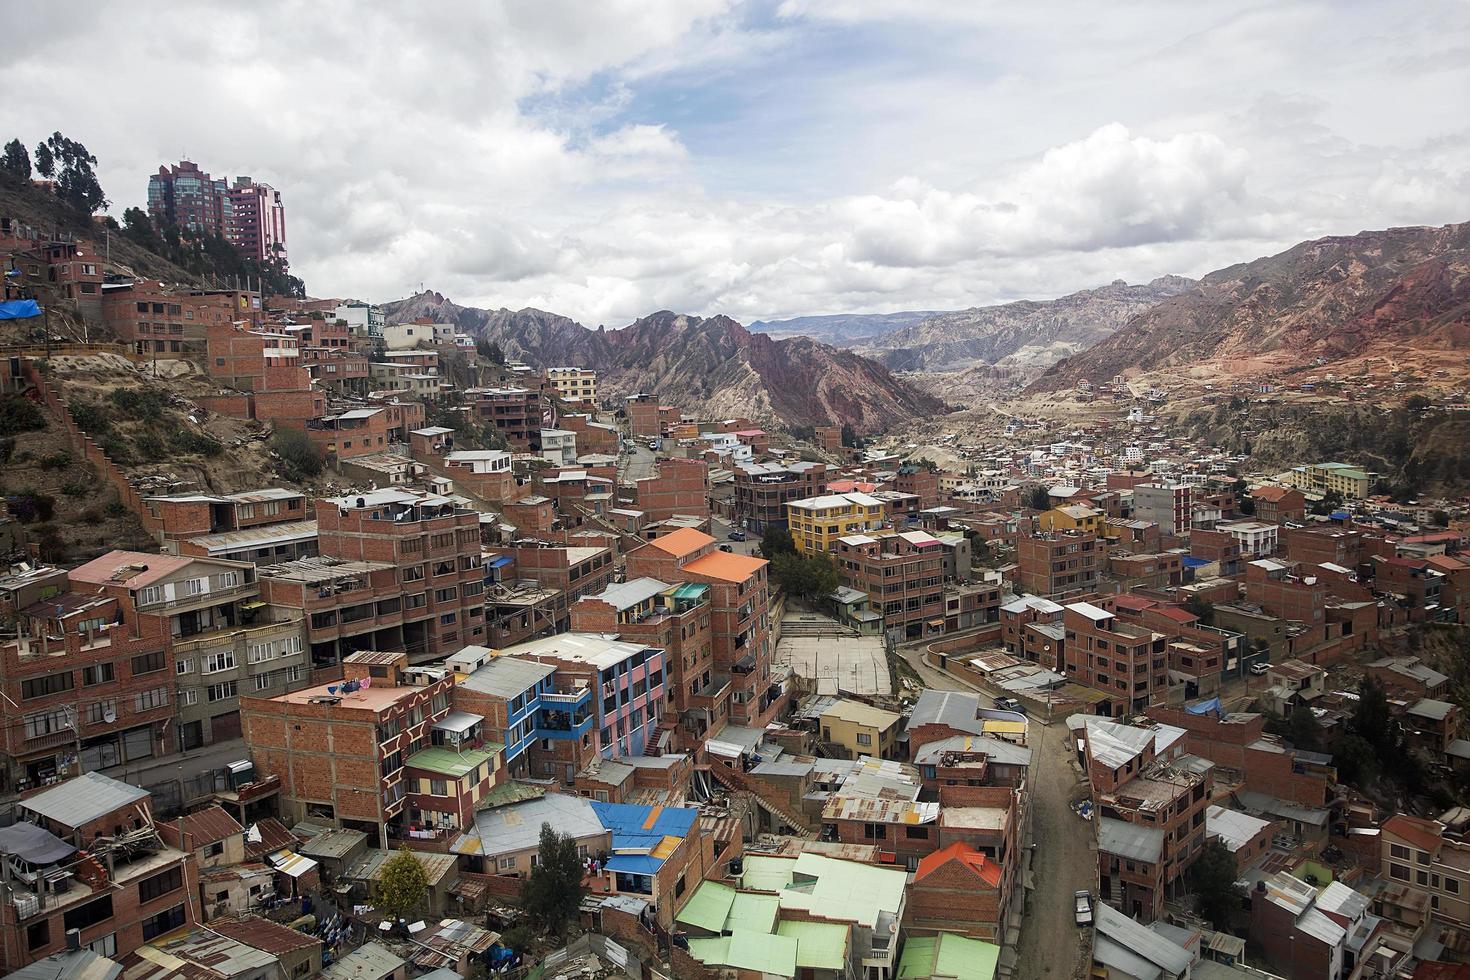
210,825
1134,603
967,856
1179,615
1272,494
1423,834
263,934
273,837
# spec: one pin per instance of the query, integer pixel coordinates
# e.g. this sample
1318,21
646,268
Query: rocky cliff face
1026,334
713,365
1377,292
842,329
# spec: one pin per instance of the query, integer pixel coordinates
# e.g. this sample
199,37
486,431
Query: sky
608,159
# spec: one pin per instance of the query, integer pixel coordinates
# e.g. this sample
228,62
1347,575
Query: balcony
571,699
712,694
215,597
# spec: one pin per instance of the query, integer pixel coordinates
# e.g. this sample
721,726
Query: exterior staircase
737,783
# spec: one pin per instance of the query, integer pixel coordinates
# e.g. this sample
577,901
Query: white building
559,446
1257,539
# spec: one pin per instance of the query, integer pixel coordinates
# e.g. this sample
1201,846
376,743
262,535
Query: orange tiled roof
684,541
966,855
1423,834
726,566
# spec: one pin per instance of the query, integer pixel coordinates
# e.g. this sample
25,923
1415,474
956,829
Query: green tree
76,180
809,577
777,541
1212,878
1200,607
16,162
553,892
1440,519
1354,759
490,351
1246,504
45,162
1373,720
1040,498
1302,728
402,885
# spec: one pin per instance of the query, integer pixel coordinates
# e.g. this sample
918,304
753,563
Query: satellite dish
109,716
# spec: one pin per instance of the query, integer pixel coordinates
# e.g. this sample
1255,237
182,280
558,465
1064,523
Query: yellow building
573,384
856,729
1071,517
1349,481
817,522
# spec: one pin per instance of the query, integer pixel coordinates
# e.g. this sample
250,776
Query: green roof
763,953
710,952
845,890
948,955
766,874
690,590
752,912
708,907
511,791
819,945
455,764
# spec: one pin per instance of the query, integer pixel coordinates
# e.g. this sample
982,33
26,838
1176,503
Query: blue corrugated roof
628,818
634,864
1194,562
499,561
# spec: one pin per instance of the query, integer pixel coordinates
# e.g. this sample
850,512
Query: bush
91,418
55,461
202,444
7,449
299,458
19,414
140,403
28,506
78,488
117,449
151,448
115,508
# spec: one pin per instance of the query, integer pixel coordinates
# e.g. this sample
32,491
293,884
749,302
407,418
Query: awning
499,561
293,864
458,722
724,749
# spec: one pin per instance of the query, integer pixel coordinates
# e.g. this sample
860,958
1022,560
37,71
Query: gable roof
133,569
1423,834
965,856
726,566
83,799
210,825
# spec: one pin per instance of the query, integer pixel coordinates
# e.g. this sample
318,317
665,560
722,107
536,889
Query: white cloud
607,160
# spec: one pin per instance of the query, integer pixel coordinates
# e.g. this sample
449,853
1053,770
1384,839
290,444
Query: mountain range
841,329
712,364
1333,299
1025,334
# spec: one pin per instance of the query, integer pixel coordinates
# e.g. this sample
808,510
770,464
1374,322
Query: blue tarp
499,561
19,309
1189,562
1210,707
634,864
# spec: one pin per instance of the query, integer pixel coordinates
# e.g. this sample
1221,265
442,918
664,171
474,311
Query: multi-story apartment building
1279,504
166,321
343,750
515,412
365,322
507,692
1059,564
676,487
817,522
185,196
1423,857
1169,505
762,491
260,222
739,614
573,384
1350,481
1151,798
676,619
127,887
196,515
1129,663
1256,539
621,683
904,575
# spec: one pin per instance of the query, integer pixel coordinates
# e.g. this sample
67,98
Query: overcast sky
608,158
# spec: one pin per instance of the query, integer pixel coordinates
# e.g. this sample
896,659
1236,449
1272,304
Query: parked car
736,535
1010,704
1260,669
1084,908
727,548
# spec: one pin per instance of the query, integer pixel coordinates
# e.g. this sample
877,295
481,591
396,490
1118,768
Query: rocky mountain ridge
1333,299
842,329
1024,334
710,364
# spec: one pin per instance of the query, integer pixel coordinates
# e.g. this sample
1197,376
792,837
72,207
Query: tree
777,541
1040,498
402,885
45,162
1246,504
299,457
76,181
806,577
490,351
1201,608
16,161
1373,720
554,891
1212,877
1354,760
1440,519
1302,728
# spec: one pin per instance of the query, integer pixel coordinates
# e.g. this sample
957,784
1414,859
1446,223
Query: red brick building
173,321
676,487
1279,504
1127,662
1059,565
956,889
762,491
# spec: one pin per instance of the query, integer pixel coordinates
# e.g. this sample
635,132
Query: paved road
1063,861
721,530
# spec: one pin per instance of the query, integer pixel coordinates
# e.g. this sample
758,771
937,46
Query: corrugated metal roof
507,677
83,799
956,709
517,826
1140,941
1130,841
370,961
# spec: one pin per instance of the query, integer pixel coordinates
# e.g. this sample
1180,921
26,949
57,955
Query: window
261,652
39,687
150,594
290,646
215,849
1423,877
147,700
294,673
190,696
147,663
219,692
218,661
1398,871
229,579
1452,885
916,833
1422,857
159,885
863,738
183,666
98,674
39,934
196,586
264,681
163,922
507,864
438,787
875,831
98,711
95,911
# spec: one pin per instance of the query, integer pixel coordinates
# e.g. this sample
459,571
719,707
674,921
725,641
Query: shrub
150,447
189,441
19,414
140,403
115,508
91,418
78,488
55,461
28,506
299,458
